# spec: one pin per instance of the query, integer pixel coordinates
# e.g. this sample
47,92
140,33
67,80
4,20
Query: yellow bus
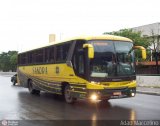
88,67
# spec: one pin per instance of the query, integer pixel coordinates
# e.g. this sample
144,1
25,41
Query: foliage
8,61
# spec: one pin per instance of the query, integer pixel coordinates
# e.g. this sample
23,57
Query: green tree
8,61
13,61
4,61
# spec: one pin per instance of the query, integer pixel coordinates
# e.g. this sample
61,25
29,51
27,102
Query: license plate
117,93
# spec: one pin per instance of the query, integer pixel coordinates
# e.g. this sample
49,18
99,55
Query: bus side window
46,55
24,59
59,57
39,56
62,52
30,58
66,48
51,54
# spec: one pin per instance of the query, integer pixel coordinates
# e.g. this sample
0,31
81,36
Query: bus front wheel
67,94
31,89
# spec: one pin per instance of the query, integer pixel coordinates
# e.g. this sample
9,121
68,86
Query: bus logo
57,70
40,70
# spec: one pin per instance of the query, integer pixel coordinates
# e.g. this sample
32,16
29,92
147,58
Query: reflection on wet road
17,104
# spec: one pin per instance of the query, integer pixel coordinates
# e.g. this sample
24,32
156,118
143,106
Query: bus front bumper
110,93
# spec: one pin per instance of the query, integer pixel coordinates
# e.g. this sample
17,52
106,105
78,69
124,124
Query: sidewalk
148,90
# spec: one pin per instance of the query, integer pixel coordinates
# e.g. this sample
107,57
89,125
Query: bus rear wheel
67,94
31,89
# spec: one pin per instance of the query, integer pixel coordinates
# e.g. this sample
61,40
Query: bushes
8,61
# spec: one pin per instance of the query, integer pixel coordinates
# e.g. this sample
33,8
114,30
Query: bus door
79,59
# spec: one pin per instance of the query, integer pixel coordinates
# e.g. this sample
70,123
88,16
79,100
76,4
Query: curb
149,93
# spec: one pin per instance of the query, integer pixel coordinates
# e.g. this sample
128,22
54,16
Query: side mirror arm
90,50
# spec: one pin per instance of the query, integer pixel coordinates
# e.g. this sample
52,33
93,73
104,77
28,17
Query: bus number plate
117,93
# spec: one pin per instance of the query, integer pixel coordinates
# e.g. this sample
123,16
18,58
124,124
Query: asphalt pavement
17,104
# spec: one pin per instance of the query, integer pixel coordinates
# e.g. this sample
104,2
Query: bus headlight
94,82
93,97
132,94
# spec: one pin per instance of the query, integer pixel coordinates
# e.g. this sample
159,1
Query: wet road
17,104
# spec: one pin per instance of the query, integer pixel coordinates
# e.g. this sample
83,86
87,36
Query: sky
26,24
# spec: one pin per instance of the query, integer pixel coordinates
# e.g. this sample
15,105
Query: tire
67,95
31,89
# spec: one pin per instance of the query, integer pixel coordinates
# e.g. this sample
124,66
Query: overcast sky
27,23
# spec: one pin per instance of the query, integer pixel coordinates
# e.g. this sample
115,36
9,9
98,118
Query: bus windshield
112,58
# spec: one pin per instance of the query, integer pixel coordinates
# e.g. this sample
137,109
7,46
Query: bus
95,68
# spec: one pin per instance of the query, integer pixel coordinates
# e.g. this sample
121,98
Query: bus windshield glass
112,58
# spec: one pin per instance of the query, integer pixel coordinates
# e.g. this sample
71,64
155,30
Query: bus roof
101,37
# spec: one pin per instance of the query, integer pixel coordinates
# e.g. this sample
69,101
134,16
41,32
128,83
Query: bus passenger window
62,52
51,54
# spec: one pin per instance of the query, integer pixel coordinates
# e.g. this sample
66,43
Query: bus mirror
143,51
90,50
